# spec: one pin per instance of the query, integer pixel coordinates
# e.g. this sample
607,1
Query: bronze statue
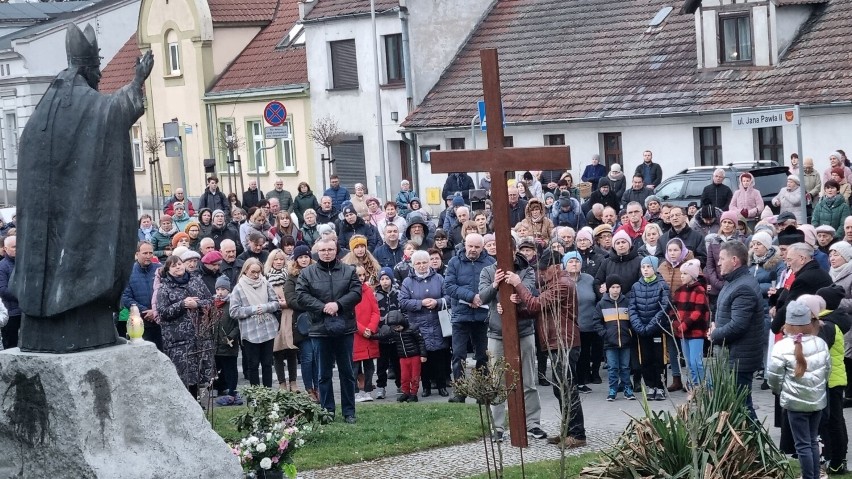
77,204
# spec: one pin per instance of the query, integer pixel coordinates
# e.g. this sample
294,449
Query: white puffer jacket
807,393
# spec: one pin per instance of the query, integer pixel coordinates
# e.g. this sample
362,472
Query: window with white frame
173,52
287,150
256,144
136,146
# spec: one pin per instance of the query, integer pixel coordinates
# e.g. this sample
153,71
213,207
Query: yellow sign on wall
433,196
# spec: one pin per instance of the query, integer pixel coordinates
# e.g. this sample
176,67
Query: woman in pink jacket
747,200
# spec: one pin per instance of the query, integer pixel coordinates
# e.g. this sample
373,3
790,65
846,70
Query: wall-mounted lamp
394,116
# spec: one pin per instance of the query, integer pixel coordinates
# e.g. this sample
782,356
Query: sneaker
840,469
412,398
661,394
367,397
225,401
537,433
584,389
349,419
380,393
571,442
497,436
402,398
611,396
652,394
628,394
359,397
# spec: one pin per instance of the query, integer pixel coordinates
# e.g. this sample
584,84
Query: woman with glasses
252,303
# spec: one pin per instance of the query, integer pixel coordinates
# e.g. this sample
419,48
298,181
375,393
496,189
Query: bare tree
325,132
229,140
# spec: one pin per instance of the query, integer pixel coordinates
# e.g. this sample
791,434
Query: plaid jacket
692,316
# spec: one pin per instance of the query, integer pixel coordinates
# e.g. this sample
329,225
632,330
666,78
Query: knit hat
190,225
386,271
179,236
762,238
488,237
615,167
614,279
730,216
548,195
832,295
357,240
348,210
691,267
526,242
814,302
212,257
843,248
765,228
223,282
651,261
798,314
216,212
790,235
604,228
571,255
189,254
166,217
585,232
651,198
826,229
458,201
794,178
810,234
441,234
180,250
707,211
301,250
621,235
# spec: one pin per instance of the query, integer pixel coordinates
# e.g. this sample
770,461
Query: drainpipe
406,56
380,134
412,160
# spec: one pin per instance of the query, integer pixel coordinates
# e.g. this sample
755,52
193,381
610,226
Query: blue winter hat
386,271
458,200
571,255
651,260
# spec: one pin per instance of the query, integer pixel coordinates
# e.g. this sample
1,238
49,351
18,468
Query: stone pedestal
118,412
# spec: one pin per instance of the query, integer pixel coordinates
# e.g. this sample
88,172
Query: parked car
687,185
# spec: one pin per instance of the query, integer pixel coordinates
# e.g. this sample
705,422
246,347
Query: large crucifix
499,161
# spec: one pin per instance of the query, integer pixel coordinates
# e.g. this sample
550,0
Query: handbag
445,318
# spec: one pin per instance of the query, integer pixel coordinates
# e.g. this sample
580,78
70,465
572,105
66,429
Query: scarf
147,232
760,260
650,279
255,290
276,277
169,232
652,250
421,276
838,273
180,279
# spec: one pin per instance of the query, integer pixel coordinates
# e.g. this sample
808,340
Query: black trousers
259,354
387,358
436,369
832,429
227,374
10,332
154,334
292,358
651,360
564,372
591,351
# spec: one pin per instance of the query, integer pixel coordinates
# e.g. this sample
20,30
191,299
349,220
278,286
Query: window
256,142
670,190
394,70
710,146
287,150
770,144
10,143
612,149
457,143
228,141
554,140
136,146
694,189
508,141
735,38
173,52
344,66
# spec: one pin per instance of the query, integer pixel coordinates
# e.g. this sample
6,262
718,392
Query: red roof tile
121,69
326,9
261,65
586,59
242,11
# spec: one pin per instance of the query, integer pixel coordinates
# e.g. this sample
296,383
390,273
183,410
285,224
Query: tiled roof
326,9
261,65
121,69
242,11
586,59
798,2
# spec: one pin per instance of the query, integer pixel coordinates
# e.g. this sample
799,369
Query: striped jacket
612,322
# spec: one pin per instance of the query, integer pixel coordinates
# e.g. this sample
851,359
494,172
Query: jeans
567,375
227,365
409,369
259,354
618,360
310,367
673,354
693,351
529,373
744,379
337,350
805,427
368,368
476,332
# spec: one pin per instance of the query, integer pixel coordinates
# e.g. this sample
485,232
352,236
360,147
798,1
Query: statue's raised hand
144,66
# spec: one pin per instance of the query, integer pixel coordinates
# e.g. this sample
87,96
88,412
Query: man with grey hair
847,229
205,246
717,193
566,235
469,317
455,233
285,199
327,212
517,207
809,278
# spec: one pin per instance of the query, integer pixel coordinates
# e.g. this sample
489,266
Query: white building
32,56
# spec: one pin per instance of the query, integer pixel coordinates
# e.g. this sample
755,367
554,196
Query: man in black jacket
651,173
717,193
212,197
458,182
693,240
329,290
604,195
809,278
517,207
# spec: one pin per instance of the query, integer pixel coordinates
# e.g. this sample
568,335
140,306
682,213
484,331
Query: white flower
269,436
253,440
261,447
265,463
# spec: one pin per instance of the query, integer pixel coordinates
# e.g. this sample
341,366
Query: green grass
381,431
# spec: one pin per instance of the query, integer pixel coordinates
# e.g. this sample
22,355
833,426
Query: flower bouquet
267,454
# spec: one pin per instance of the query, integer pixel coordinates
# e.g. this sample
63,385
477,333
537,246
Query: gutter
255,93
348,16
721,111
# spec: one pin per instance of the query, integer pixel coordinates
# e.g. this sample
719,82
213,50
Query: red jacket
367,316
692,318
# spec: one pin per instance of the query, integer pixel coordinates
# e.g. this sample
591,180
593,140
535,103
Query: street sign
171,131
765,119
276,132
275,113
482,123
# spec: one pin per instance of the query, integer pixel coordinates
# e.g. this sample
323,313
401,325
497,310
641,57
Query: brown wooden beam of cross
499,161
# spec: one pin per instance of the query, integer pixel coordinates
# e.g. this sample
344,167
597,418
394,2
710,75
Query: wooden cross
499,161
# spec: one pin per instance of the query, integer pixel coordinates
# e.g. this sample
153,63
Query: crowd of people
391,291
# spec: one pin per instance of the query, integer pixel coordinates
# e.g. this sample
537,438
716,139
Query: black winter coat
322,283
808,280
612,322
739,320
409,342
717,195
592,260
627,267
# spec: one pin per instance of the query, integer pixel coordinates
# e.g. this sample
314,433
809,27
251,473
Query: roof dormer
733,34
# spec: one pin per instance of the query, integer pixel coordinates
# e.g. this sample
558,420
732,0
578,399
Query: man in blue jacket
389,253
469,317
140,290
337,193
